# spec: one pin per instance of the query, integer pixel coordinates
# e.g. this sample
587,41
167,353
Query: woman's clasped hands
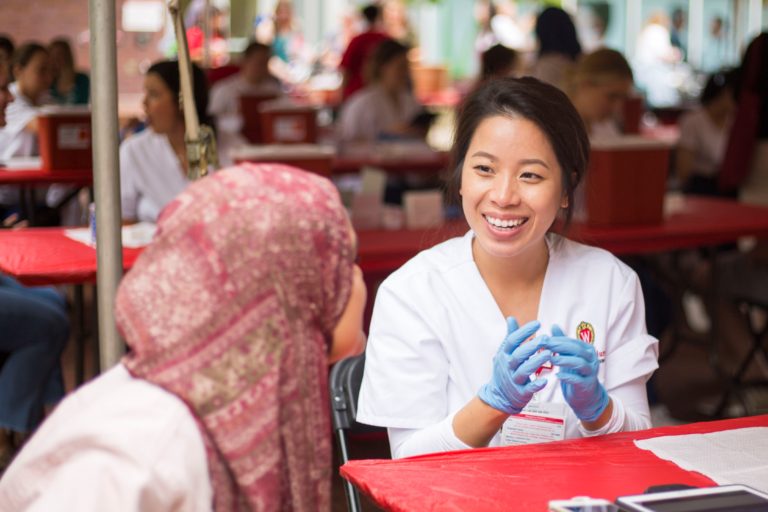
511,387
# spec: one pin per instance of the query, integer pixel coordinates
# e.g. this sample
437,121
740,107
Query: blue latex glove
578,364
510,387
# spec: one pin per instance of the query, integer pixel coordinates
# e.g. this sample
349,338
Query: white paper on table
737,456
22,162
134,235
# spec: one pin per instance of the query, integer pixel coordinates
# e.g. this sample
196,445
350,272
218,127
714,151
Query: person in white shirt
704,136
597,86
31,69
386,106
447,365
253,79
32,72
153,163
231,315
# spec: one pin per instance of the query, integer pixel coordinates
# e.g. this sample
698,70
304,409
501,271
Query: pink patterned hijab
230,309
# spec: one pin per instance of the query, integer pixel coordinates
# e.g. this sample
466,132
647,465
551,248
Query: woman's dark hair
496,59
168,71
371,13
26,52
6,44
556,33
527,98
384,52
254,47
63,44
716,84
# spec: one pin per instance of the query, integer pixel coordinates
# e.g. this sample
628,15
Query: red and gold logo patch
585,332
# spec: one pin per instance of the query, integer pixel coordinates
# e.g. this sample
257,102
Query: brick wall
42,20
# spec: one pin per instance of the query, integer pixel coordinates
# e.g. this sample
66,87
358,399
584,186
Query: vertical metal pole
106,171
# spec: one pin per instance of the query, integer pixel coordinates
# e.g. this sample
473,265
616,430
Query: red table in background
699,222
47,256
526,477
40,177
28,179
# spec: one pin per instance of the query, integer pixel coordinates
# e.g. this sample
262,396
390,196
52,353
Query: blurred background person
35,327
386,107
717,47
359,50
153,163
484,10
396,24
559,47
591,25
509,28
69,87
30,66
498,61
32,72
598,85
655,62
704,136
197,16
677,32
292,57
253,79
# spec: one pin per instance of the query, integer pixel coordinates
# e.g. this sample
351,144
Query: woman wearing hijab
231,316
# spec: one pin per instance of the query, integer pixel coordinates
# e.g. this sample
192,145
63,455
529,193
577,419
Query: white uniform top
707,141
225,107
436,328
118,444
150,175
14,139
369,113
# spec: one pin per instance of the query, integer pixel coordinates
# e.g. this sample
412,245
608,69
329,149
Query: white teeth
499,223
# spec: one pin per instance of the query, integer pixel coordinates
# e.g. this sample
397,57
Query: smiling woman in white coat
448,366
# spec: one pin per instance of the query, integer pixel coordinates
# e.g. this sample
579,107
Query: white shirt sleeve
129,191
17,141
221,101
356,121
117,444
630,363
406,371
440,437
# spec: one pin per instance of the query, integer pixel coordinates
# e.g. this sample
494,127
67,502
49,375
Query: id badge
539,422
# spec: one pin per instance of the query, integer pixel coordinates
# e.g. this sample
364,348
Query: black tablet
727,498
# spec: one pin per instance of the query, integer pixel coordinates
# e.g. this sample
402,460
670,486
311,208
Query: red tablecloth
41,256
701,221
526,477
38,177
